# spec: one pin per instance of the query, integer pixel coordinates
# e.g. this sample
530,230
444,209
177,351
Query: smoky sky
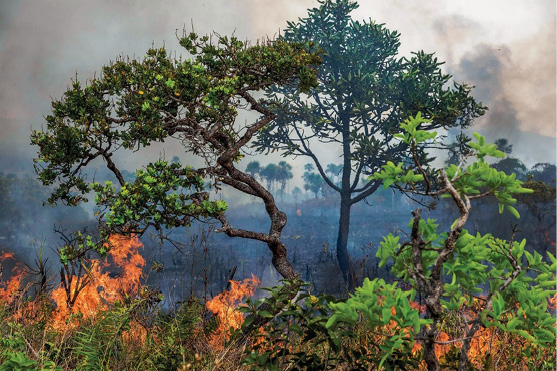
520,94
43,44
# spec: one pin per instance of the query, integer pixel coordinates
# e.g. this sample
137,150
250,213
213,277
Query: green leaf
388,182
513,211
170,83
386,315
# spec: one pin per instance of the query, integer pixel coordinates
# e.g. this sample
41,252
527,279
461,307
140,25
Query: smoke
531,85
452,32
515,80
43,44
485,68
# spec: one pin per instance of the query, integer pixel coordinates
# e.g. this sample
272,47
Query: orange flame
224,307
9,289
102,288
6,255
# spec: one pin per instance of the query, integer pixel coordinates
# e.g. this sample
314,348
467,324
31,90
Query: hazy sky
506,48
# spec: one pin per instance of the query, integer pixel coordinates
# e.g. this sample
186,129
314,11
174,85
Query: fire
6,255
9,289
224,307
552,302
102,289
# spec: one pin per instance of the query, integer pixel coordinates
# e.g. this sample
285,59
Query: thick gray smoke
43,45
515,80
492,70
484,67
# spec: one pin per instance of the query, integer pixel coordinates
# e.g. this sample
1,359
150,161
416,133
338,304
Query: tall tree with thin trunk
253,168
365,91
284,174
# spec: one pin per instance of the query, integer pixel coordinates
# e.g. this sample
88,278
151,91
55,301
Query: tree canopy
365,91
195,101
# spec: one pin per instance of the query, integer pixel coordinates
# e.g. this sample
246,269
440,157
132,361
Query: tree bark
463,357
345,202
239,180
281,262
429,349
342,241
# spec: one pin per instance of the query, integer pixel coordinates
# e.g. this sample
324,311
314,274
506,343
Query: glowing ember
224,307
136,334
6,255
102,289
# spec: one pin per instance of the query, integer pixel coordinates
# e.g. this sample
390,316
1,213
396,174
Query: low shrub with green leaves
452,268
467,284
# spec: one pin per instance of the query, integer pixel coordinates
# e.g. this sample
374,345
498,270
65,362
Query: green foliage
173,334
18,361
378,304
478,179
14,352
324,333
453,269
136,102
156,197
365,90
96,345
131,103
75,250
296,337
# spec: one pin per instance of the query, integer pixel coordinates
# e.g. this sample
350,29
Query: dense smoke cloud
523,112
43,44
484,67
515,79
454,30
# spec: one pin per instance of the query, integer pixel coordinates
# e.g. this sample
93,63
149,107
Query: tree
273,173
544,172
313,182
136,102
253,168
365,90
472,281
458,149
284,174
504,146
541,204
269,173
296,193
334,171
509,165
512,165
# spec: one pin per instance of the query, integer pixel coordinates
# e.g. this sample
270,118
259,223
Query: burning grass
9,289
114,322
101,289
225,307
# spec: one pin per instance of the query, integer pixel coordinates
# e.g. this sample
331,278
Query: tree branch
373,187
